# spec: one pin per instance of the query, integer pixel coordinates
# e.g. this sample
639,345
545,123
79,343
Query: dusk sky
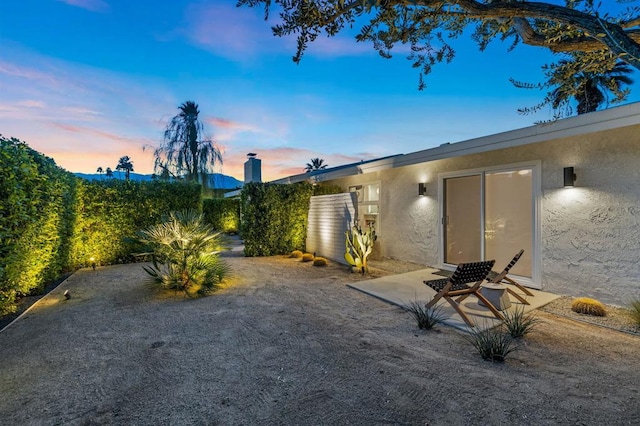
88,81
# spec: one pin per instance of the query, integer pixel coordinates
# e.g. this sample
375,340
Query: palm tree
125,164
588,88
99,170
109,172
185,152
315,164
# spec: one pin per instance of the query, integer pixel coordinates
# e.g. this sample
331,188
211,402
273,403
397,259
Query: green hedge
222,213
35,217
52,222
110,212
274,216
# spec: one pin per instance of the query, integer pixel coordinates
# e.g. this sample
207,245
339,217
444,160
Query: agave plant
359,246
185,254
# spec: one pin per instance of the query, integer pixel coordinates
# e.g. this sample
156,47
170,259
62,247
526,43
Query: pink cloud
31,104
27,73
231,125
91,5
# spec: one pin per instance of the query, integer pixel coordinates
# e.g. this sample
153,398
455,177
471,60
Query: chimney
252,168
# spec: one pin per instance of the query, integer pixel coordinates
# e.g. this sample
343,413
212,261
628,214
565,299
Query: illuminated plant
359,246
587,306
296,254
307,257
185,254
319,261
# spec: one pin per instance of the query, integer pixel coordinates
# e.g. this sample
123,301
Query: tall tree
428,26
315,164
185,151
100,171
109,172
125,164
569,83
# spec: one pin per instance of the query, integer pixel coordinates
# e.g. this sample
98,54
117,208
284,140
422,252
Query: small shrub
319,261
635,311
297,254
493,344
427,318
587,306
307,257
518,324
185,254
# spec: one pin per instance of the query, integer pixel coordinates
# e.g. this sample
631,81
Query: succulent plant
588,306
319,261
359,246
296,254
307,257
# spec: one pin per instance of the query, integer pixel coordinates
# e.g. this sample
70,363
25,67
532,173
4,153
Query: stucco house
487,198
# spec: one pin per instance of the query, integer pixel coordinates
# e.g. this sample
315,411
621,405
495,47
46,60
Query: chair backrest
506,270
471,272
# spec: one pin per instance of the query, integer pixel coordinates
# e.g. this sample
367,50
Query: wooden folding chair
502,277
457,286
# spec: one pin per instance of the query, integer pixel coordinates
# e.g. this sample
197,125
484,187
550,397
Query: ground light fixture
422,188
93,263
569,177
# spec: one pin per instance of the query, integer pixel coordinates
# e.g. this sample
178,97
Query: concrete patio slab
402,289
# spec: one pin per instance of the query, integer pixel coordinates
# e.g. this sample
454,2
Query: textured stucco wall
590,235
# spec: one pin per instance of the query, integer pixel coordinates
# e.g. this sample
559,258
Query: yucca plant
518,323
427,318
185,254
493,344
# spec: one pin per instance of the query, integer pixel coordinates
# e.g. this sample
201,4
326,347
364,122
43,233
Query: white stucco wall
590,235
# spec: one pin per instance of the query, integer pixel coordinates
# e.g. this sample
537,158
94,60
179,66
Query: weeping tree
185,151
429,26
570,83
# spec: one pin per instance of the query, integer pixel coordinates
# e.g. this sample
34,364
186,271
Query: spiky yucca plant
518,323
185,254
426,318
493,344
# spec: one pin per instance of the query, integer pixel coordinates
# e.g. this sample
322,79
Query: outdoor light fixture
422,188
569,177
93,263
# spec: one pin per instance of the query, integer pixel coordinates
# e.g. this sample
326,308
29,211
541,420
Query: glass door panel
462,219
509,218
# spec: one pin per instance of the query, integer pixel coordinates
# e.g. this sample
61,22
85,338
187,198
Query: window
490,214
368,204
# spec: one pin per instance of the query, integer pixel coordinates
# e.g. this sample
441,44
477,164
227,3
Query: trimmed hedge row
274,216
222,213
52,222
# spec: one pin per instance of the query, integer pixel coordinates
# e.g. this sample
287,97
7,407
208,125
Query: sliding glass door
490,215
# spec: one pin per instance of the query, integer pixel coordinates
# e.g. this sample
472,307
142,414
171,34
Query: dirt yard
289,343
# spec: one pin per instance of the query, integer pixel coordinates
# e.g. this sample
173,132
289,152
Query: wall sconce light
569,177
422,188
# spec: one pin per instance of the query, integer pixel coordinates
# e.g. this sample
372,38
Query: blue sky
88,81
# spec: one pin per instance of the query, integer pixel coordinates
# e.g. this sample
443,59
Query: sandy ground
290,344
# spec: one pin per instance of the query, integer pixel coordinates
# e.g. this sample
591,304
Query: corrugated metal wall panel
330,216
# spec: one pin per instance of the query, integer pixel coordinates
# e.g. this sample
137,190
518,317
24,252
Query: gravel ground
289,343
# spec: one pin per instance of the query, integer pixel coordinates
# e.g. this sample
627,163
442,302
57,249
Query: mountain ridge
216,180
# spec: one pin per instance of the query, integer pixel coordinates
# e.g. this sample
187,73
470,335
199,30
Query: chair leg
520,286
435,299
459,310
489,305
517,296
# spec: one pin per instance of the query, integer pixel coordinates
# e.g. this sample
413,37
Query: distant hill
216,180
